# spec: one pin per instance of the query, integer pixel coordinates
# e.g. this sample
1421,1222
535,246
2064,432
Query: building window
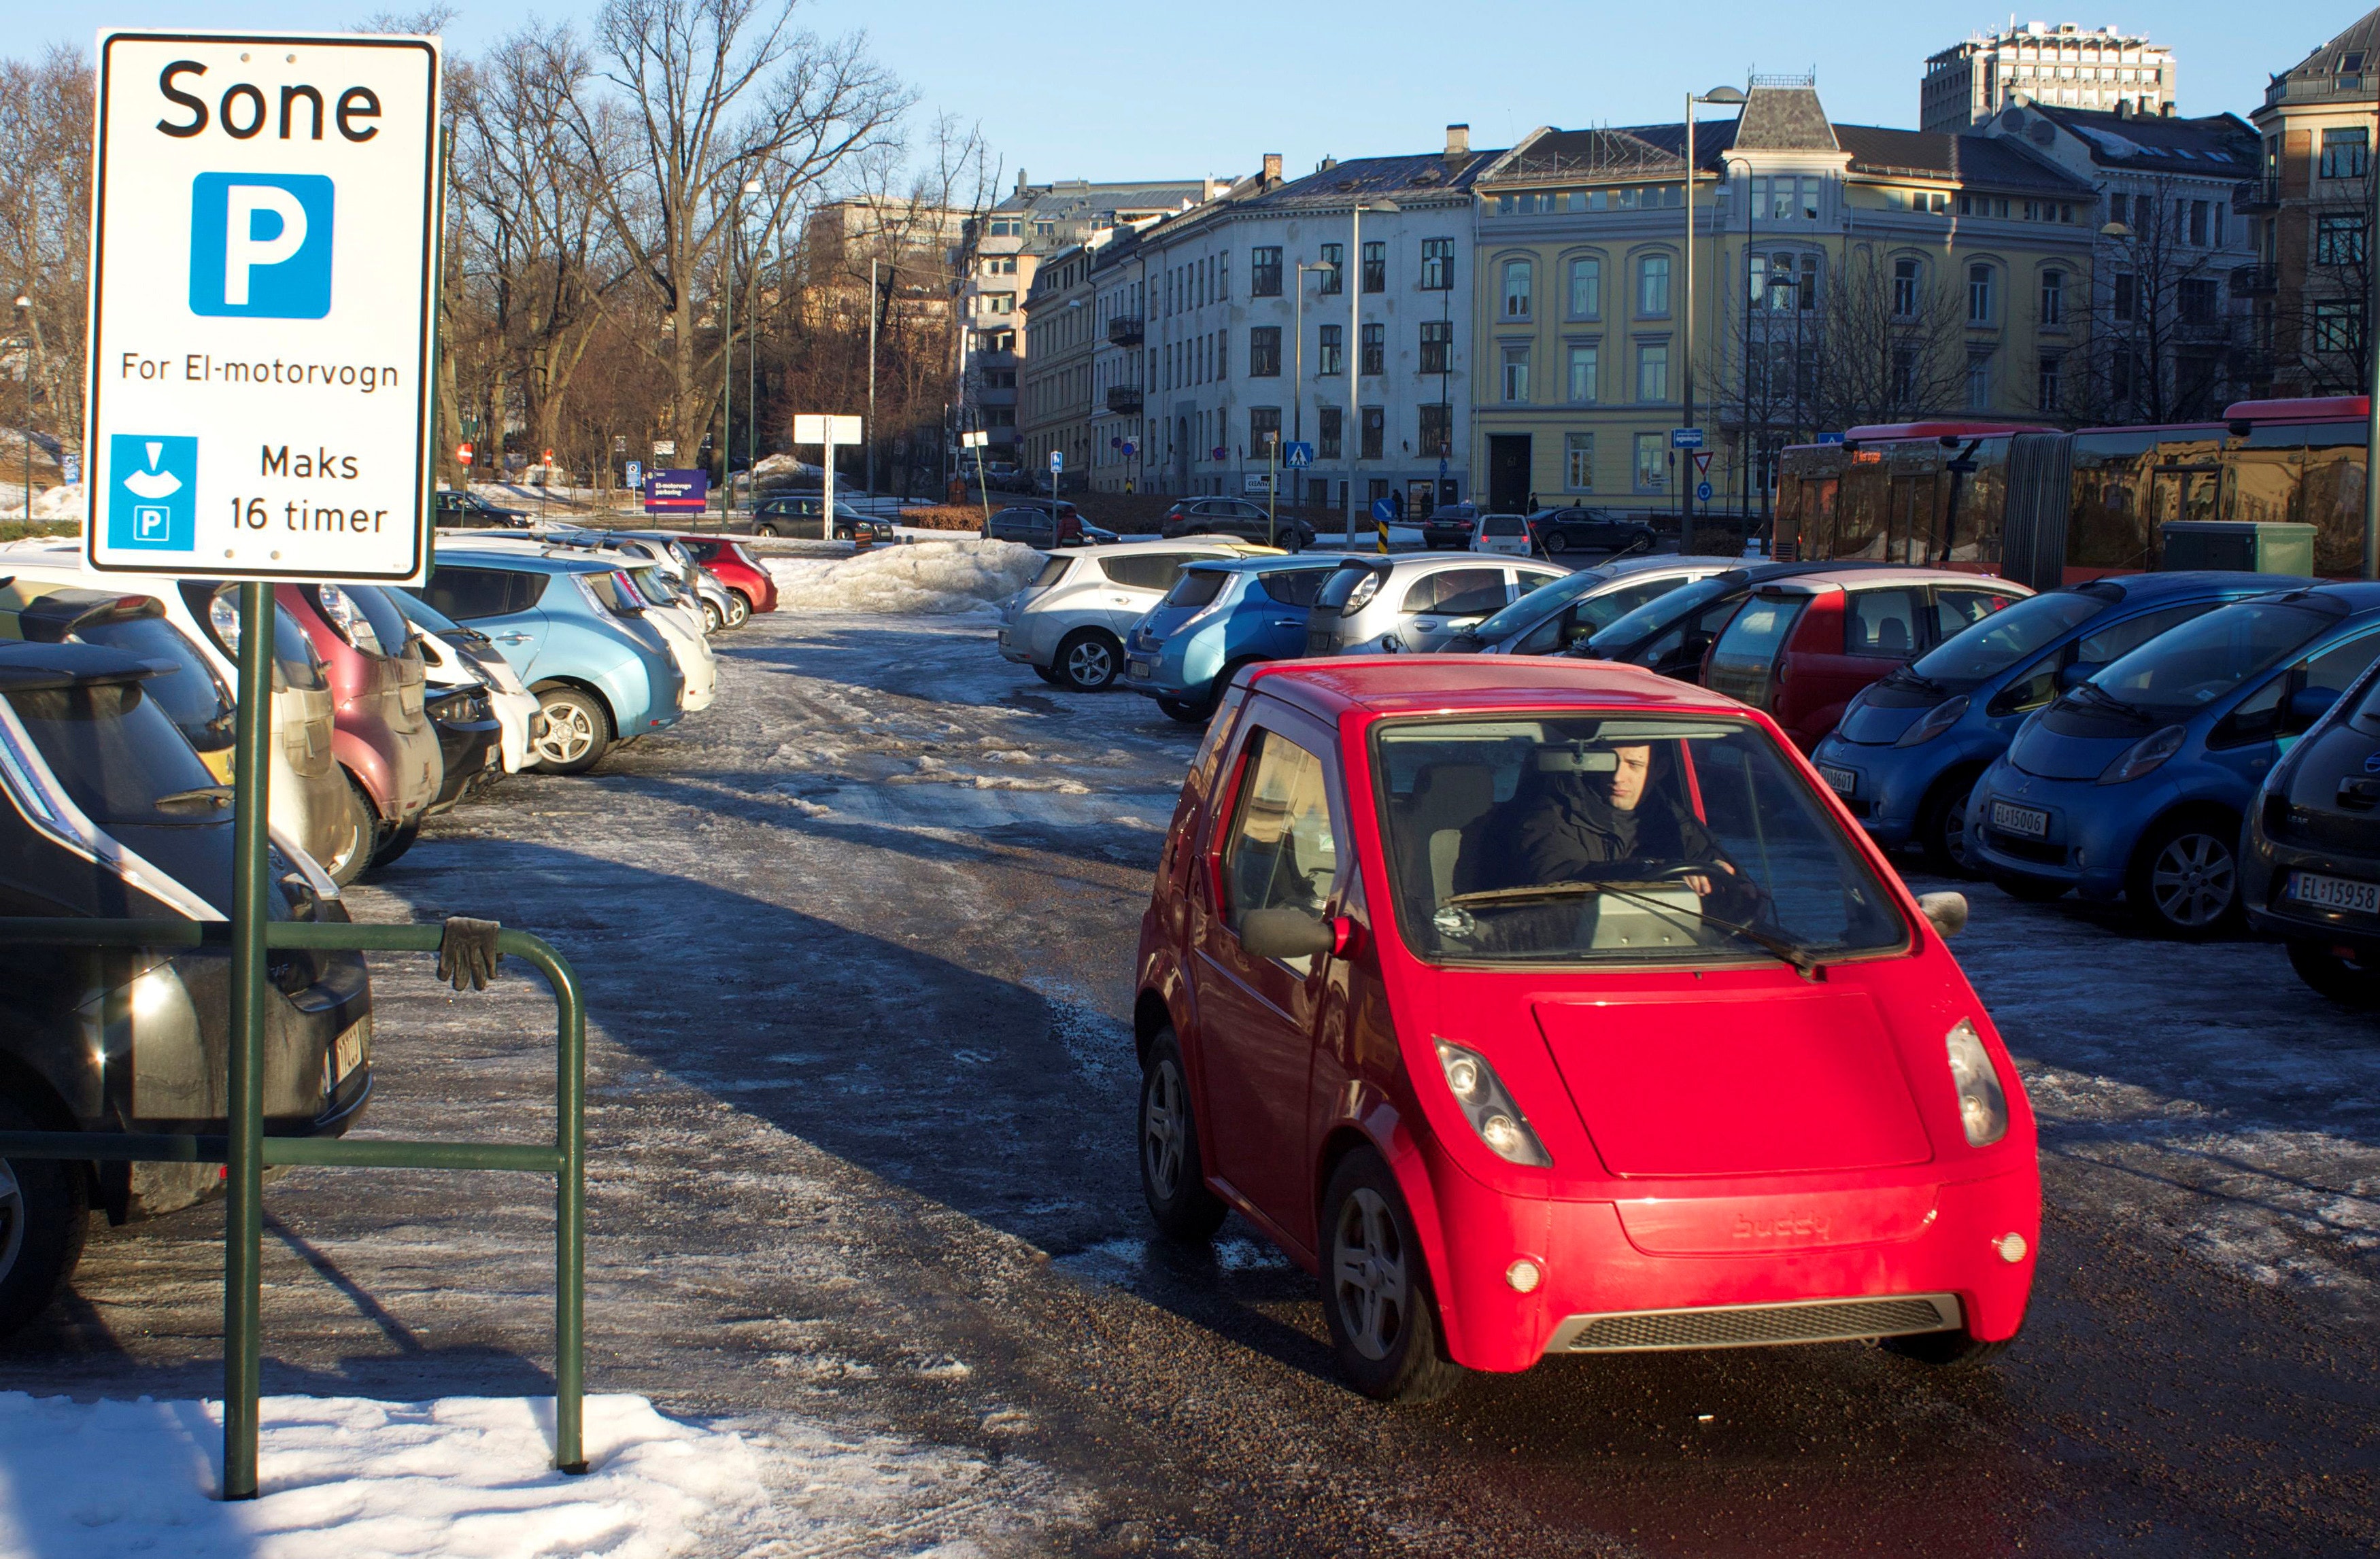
2117,207
2339,240
1979,294
1329,357
1578,463
1979,381
2338,326
1376,266
1905,275
1652,464
1583,373
1437,264
1264,429
1264,272
1585,289
1904,373
2198,300
1653,371
2198,223
1222,356
1327,420
1376,426
2124,294
2345,153
1519,278
1264,352
1334,269
1436,430
2046,381
1376,349
1516,371
1437,346
2053,297
1652,287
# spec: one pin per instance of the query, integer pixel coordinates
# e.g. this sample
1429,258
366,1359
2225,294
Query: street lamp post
873,306
1355,350
1686,365
25,313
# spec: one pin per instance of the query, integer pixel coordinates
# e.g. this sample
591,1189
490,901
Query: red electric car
739,570
1543,1006
380,732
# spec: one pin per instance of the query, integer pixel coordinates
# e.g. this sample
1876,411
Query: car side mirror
2078,674
1290,934
1946,911
2308,704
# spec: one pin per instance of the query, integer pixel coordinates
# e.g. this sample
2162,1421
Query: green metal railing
564,1160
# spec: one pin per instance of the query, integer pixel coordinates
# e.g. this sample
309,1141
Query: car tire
1172,1177
2350,981
2184,880
712,619
1048,674
766,530
360,834
578,729
2031,890
396,844
739,608
1089,660
1942,825
44,1214
1375,1289
1556,544
1946,1350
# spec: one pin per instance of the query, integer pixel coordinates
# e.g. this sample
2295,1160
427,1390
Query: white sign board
813,427
262,270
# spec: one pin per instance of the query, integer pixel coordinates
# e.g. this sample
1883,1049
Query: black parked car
2310,871
468,511
1451,525
1557,531
798,515
111,815
1235,517
1058,525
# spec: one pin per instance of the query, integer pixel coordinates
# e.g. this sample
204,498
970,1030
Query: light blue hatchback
573,628
1219,617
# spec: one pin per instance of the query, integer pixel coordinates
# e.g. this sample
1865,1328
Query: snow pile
925,578
343,1478
51,503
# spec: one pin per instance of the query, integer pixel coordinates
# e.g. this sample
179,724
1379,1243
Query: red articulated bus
2047,507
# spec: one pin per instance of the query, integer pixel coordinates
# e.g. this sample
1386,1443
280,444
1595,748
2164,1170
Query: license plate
1003,639
347,1052
2030,821
1136,668
2335,893
1841,781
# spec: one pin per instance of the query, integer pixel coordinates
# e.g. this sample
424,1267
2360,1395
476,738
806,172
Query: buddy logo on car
1782,1228
263,265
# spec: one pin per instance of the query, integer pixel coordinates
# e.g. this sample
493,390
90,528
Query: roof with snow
1970,159
2217,146
1412,177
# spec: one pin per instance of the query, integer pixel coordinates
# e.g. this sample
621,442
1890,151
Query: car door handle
511,638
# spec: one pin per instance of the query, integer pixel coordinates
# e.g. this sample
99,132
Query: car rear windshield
1503,525
1292,587
192,695
2173,676
1532,607
217,609
116,751
1052,571
1196,587
1341,584
1571,838
1988,648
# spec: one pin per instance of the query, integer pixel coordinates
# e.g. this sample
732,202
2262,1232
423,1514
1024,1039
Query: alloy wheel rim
2193,880
12,1219
1369,1280
568,733
1162,1131
1088,663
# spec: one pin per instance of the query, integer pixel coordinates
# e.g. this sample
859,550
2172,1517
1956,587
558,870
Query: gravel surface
858,943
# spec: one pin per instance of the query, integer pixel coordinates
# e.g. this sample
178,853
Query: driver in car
1603,812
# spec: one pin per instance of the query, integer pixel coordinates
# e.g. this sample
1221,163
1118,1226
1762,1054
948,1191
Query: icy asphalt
858,944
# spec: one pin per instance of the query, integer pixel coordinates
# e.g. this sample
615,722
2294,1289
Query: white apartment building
2063,65
1256,307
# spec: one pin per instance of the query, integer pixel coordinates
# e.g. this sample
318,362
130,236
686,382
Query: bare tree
2311,338
1890,342
45,136
2162,347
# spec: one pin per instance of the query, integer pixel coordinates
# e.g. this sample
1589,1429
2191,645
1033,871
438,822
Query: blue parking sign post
1383,511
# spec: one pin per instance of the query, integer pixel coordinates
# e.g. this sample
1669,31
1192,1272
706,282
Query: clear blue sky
1076,89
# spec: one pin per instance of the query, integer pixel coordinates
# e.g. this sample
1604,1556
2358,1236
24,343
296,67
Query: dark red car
1800,647
743,573
1547,1008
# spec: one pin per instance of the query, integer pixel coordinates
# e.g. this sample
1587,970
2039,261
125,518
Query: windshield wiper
1910,676
2092,692
1634,892
216,796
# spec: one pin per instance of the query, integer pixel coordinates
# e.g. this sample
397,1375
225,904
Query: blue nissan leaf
1220,615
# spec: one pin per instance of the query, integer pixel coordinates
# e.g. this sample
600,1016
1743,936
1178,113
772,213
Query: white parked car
1506,534
679,623
1069,623
454,655
1382,603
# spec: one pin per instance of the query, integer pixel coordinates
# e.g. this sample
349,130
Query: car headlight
2144,755
1489,1109
348,618
1983,1107
1939,719
1361,596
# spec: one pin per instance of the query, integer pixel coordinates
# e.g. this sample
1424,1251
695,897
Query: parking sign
263,267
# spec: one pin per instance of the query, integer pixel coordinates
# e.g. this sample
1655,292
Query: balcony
1123,331
2256,281
2257,194
1124,400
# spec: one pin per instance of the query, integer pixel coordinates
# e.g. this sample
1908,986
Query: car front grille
2025,849
1809,1321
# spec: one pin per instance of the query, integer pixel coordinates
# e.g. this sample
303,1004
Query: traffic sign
636,475
811,428
1057,460
1702,459
1702,492
664,447
1297,455
1685,438
263,269
1130,449
1830,437
1384,510
1219,452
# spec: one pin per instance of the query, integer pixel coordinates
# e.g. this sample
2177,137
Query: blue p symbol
261,246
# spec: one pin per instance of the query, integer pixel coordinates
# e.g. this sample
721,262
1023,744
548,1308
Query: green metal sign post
244,1191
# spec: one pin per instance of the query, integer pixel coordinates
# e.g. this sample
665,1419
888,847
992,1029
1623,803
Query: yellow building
1863,275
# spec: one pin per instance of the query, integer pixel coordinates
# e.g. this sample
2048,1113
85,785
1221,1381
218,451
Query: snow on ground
51,503
925,578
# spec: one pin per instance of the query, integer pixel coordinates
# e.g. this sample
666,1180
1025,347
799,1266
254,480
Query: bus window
2262,484
1912,540
1818,516
2110,525
1859,513
2334,505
